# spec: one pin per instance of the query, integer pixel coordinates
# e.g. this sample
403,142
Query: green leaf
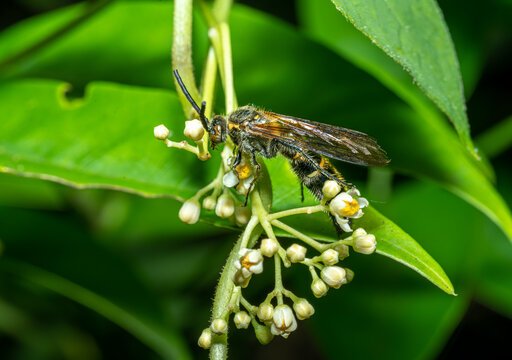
22,192
416,145
113,56
416,36
392,241
64,260
71,142
494,275
496,139
322,21
402,319
408,320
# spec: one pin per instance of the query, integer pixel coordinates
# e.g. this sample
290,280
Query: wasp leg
258,167
315,165
302,192
255,162
238,158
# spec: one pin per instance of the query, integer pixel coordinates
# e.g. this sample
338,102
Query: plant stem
182,52
303,210
278,279
224,292
311,242
91,9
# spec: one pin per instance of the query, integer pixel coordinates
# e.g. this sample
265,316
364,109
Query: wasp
307,145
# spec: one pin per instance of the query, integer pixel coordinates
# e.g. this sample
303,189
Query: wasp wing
332,141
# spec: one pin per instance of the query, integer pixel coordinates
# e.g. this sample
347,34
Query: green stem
91,9
279,280
224,292
221,9
251,309
182,52
313,243
303,210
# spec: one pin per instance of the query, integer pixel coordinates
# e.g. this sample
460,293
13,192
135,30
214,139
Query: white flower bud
230,179
225,206
219,326
283,321
242,215
194,130
161,132
343,251
330,257
209,202
319,288
242,320
190,211
303,309
334,276
350,275
365,244
265,312
358,232
268,247
331,189
205,340
296,253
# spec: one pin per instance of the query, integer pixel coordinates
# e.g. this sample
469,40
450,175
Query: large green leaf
494,275
408,320
496,139
392,241
63,259
104,140
400,129
343,94
418,145
416,36
29,193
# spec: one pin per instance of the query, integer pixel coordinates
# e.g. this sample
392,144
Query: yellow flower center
243,171
351,208
246,263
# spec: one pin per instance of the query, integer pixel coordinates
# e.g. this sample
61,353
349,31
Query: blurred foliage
80,111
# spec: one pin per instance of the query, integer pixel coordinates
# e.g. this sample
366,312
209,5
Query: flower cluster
277,315
280,319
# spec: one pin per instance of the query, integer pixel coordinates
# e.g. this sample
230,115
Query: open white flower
250,262
347,205
283,321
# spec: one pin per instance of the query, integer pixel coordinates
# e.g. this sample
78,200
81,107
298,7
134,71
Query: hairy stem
182,52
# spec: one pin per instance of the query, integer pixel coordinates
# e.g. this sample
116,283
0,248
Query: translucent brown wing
324,139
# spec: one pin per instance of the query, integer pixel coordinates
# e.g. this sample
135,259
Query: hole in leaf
69,96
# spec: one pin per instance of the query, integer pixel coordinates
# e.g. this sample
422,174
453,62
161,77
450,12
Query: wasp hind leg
258,167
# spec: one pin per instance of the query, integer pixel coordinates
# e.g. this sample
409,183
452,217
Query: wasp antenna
200,111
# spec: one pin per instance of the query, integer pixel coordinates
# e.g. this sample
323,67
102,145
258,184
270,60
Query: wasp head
217,130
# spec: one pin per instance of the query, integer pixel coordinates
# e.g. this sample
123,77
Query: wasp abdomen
313,174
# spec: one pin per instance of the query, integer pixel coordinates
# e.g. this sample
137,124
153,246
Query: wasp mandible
306,144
